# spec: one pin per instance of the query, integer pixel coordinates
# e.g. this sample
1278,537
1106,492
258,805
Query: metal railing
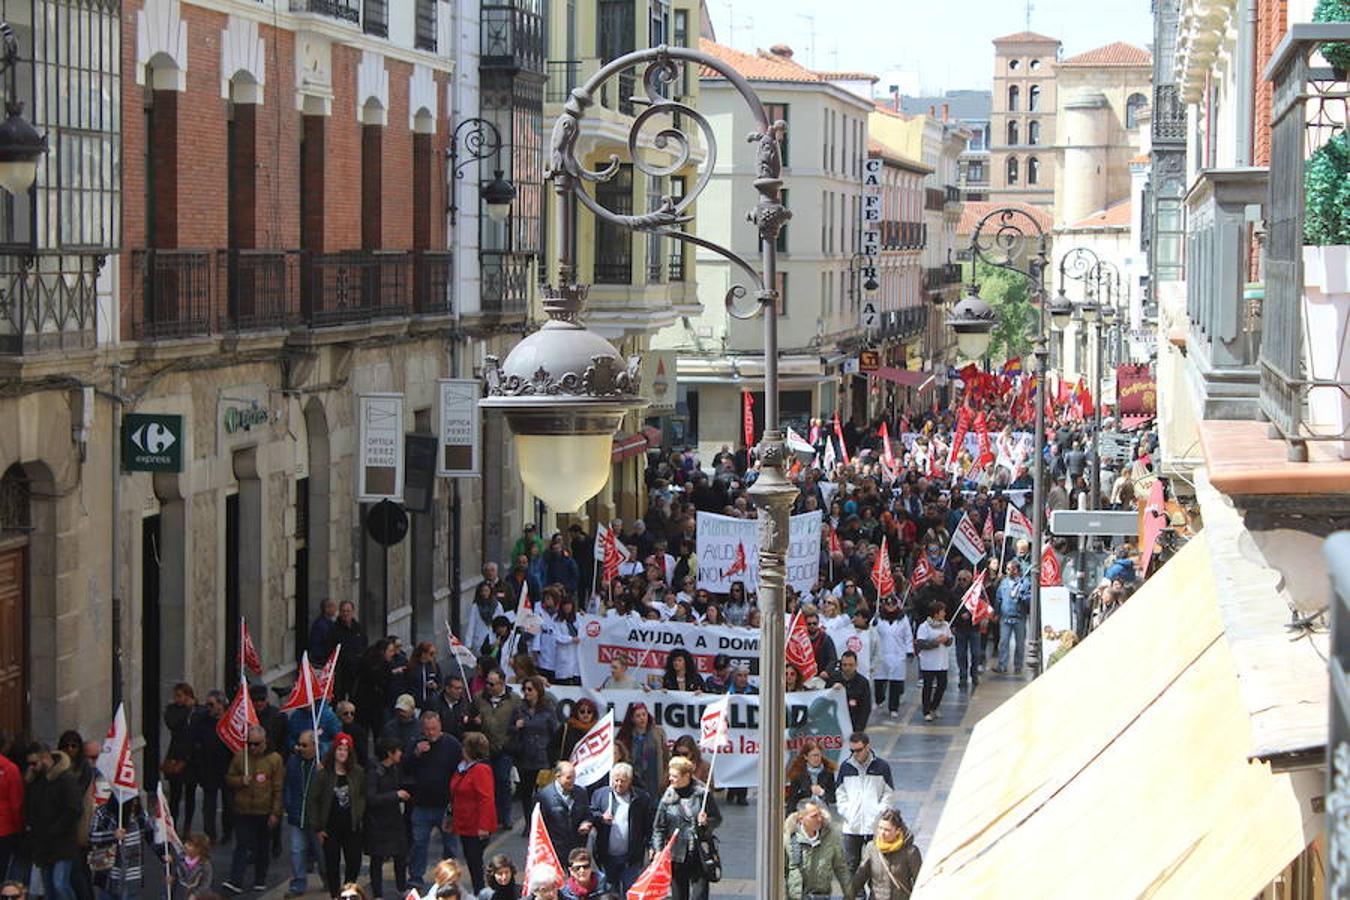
172,293
897,235
342,10
48,301
505,282
612,271
511,36
354,286
951,273
676,266
261,289
934,278
934,199
953,193
563,75
1304,369
434,273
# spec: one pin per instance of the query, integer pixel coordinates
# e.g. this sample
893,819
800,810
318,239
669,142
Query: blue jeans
305,854
424,819
620,874
1012,636
501,782
56,880
968,655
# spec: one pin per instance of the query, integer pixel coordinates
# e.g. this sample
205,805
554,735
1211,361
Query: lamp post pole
1104,271
771,492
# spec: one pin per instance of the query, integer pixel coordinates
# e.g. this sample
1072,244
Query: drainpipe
1246,81
114,534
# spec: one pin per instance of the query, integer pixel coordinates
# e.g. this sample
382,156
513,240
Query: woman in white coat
890,659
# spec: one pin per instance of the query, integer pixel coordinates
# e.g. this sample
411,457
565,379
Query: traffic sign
1094,521
152,442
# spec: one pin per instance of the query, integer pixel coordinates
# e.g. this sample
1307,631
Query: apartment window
1133,106
1014,98
614,243
1034,98
781,286
1033,170
656,262
1012,170
846,128
824,218
678,185
782,242
680,38
375,17
372,186
1013,64
1034,65
858,143
425,37
976,171
1013,135
829,222
825,293
1033,133
778,112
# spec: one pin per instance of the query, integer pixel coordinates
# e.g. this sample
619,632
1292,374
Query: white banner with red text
728,551
646,644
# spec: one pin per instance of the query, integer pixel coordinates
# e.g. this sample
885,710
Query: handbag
101,859
173,768
709,859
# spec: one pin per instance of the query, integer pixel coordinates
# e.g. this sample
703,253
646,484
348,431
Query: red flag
739,565
613,556
1063,394
654,882
306,691
748,415
232,729
922,574
886,456
799,651
985,454
963,419
835,545
987,533
248,654
934,463
323,687
975,601
539,852
1017,526
881,572
1051,574
839,433
1083,399
1155,520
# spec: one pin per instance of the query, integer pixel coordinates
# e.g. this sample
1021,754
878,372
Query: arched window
1033,170
1012,170
1014,97
1033,133
1012,65
1013,135
1133,106
1034,98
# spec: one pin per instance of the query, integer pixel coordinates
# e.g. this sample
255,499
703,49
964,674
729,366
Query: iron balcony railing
512,36
354,286
953,193
934,278
172,293
1304,361
433,288
505,282
951,273
260,289
934,199
563,76
619,271
48,302
676,268
897,235
342,10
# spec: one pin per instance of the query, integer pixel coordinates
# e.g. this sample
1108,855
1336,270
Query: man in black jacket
454,707
856,688
623,828
428,764
565,809
53,806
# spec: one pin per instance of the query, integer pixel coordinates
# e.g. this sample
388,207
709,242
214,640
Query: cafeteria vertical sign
379,464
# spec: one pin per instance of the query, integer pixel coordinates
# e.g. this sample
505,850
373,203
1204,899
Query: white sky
946,42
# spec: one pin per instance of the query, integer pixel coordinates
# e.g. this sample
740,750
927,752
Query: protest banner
821,716
646,644
723,541
846,637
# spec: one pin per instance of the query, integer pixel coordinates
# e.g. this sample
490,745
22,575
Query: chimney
946,111
932,112
782,50
895,98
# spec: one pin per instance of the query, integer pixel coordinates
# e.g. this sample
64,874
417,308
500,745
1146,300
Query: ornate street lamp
1061,311
565,382
21,147
480,140
973,320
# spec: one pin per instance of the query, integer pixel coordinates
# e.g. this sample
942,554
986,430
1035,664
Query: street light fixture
480,140
973,320
1061,311
21,147
565,382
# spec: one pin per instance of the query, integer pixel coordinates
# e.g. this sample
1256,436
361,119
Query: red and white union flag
654,882
593,755
539,852
715,725
115,764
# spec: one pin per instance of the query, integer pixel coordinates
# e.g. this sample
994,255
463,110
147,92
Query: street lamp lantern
498,195
973,320
21,147
1108,315
1090,311
1061,311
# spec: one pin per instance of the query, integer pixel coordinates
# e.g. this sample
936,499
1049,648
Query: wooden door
13,630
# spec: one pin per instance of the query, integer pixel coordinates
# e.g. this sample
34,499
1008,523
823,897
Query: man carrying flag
800,654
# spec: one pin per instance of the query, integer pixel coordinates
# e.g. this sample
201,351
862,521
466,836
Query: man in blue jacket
428,763
301,767
1013,599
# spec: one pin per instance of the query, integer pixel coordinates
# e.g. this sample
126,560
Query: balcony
934,278
675,271
433,286
897,235
1225,329
953,194
512,36
951,273
563,76
612,271
48,302
506,283
261,289
354,286
934,199
342,10
171,294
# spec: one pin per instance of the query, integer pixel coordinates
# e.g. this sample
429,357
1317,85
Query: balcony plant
1326,283
1337,54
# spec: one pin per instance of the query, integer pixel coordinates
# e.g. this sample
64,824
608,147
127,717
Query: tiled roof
761,66
1117,54
1141,160
1024,37
1117,215
849,76
972,211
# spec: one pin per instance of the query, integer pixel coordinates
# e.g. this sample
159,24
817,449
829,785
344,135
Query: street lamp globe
1108,315
20,149
1090,310
564,391
1061,311
973,320
498,195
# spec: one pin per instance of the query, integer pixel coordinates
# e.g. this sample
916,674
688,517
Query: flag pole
464,677
337,653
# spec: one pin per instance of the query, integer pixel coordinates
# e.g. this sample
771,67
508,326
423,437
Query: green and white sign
152,442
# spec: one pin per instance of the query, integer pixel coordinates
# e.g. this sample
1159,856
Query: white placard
728,551
658,380
379,454
459,435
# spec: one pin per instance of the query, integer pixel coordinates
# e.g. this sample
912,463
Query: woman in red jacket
473,807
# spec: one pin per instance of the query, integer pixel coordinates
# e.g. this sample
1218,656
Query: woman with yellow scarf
890,863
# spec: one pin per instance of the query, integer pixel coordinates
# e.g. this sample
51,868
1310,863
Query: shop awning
1124,771
626,445
1130,423
903,377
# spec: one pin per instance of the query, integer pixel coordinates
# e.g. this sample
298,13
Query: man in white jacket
864,782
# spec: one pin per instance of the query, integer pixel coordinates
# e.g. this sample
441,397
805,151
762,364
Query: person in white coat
934,641
890,656
863,788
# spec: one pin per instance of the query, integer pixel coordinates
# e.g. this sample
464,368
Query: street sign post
1121,523
152,442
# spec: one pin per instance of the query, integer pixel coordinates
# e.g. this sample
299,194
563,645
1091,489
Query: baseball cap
405,702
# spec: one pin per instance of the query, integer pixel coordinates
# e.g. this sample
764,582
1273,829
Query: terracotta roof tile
972,211
1142,159
1117,215
1024,37
849,76
763,66
1117,54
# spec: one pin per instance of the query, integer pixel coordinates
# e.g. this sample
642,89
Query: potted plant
1336,54
1326,284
